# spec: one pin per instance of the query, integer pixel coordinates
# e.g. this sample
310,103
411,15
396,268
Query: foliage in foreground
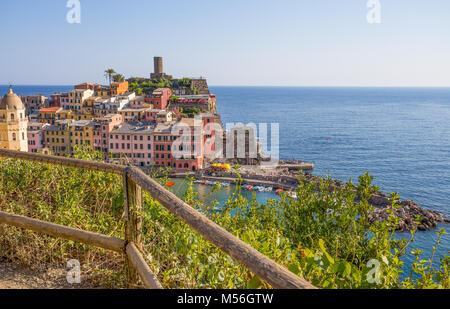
323,237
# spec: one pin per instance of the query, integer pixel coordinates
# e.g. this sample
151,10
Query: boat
279,191
292,194
249,187
268,189
226,184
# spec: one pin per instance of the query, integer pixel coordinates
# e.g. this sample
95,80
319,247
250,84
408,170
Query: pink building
179,147
102,130
133,143
36,136
159,98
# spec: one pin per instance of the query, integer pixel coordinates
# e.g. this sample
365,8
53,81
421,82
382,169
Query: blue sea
400,135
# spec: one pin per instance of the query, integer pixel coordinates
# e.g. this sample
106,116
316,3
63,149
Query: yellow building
89,105
13,123
81,133
76,117
115,89
56,138
49,114
77,98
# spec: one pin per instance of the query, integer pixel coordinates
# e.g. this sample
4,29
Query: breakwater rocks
407,212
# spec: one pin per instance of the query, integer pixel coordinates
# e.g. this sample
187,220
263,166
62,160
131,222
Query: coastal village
160,122
119,120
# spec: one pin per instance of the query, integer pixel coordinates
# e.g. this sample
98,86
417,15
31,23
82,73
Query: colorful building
77,97
49,114
132,142
159,98
56,140
81,133
102,129
34,102
35,133
86,86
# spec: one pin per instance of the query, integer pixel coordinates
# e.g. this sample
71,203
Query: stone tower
159,69
13,123
158,62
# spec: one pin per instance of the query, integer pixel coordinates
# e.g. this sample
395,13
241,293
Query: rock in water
408,213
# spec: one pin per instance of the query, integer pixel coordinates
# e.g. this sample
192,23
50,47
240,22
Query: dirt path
13,276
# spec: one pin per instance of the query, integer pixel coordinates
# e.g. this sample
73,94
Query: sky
230,42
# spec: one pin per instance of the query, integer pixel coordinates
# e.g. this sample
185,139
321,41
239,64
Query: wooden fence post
133,221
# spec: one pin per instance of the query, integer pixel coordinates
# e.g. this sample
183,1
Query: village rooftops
82,123
50,109
107,117
164,128
128,109
134,128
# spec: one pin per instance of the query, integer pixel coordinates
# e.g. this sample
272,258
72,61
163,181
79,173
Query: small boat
279,191
226,184
249,188
198,181
292,194
170,184
268,189
203,183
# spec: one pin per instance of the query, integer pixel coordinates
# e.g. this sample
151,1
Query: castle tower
159,69
158,62
13,123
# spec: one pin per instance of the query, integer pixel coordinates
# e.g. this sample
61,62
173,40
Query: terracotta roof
50,109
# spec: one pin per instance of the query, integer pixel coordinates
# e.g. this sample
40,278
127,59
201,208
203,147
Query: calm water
400,135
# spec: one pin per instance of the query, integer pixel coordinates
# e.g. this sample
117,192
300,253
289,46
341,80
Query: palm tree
118,78
109,74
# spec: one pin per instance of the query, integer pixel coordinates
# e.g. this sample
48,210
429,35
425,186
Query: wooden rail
134,181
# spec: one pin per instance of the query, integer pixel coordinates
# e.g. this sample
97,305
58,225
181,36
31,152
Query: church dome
11,101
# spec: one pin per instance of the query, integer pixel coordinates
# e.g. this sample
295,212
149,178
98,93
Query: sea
400,135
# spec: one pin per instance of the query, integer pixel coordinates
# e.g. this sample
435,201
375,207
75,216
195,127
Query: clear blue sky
232,42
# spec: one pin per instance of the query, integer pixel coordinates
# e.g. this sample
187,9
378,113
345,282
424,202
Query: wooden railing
134,181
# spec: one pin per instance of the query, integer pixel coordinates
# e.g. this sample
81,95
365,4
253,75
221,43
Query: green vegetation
118,78
141,86
147,86
323,237
190,112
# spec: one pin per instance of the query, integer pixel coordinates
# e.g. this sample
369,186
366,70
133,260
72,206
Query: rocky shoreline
407,211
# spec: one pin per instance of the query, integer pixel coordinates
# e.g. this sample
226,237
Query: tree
118,78
109,74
